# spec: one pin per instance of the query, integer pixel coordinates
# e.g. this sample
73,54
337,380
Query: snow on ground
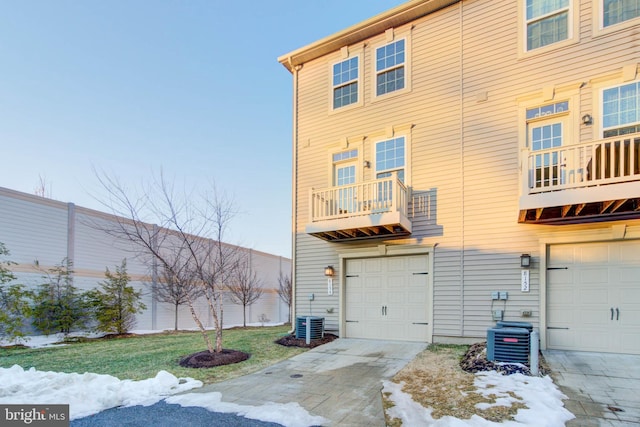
289,414
540,395
17,386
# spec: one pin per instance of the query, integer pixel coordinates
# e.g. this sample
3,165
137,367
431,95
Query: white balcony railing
608,161
366,198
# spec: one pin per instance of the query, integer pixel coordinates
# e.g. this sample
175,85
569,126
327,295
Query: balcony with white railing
597,180
363,210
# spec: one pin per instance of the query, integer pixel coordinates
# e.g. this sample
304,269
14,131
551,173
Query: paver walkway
603,388
340,381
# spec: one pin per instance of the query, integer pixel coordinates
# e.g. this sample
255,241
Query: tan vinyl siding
467,74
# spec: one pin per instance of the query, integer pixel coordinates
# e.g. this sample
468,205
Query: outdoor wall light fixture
329,272
367,164
587,119
525,260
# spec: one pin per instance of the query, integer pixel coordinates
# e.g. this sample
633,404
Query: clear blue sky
130,87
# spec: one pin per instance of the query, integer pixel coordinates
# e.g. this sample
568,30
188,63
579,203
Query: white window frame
375,156
391,36
598,21
573,23
599,98
345,55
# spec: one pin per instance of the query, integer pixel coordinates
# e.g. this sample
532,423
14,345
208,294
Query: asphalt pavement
163,414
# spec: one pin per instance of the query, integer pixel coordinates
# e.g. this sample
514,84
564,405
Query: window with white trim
390,67
621,109
390,158
547,22
617,11
345,76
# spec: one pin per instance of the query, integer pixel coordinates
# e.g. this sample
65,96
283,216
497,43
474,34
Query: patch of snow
18,386
542,398
288,414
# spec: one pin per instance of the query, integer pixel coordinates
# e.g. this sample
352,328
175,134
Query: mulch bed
292,341
475,360
205,359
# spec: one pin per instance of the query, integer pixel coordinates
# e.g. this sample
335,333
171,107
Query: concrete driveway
340,381
603,388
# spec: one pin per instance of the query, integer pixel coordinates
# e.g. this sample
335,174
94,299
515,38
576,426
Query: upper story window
345,82
621,110
390,67
390,157
617,11
548,22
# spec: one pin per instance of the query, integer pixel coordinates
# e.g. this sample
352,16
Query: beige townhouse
460,162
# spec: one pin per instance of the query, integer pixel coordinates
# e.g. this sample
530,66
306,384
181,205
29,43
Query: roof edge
395,17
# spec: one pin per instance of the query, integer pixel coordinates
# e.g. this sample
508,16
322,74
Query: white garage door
387,298
593,297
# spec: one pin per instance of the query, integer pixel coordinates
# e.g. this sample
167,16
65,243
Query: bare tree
177,286
186,244
285,290
43,189
245,288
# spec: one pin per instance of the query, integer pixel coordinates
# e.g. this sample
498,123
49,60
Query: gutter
294,192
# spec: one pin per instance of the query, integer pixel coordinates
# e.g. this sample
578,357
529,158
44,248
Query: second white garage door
593,297
387,298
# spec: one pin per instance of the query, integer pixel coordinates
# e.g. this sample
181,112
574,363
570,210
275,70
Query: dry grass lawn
435,380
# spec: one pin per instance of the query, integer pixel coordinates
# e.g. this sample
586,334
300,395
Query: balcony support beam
606,205
618,204
608,210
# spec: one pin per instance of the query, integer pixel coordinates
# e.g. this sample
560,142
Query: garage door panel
602,282
561,339
417,297
373,298
593,340
397,298
593,296
593,316
373,265
416,314
560,317
630,343
629,254
561,254
594,253
396,265
392,298
418,263
593,276
563,296
371,311
629,275
561,276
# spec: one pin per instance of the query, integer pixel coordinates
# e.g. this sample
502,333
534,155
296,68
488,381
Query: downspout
462,176
294,186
